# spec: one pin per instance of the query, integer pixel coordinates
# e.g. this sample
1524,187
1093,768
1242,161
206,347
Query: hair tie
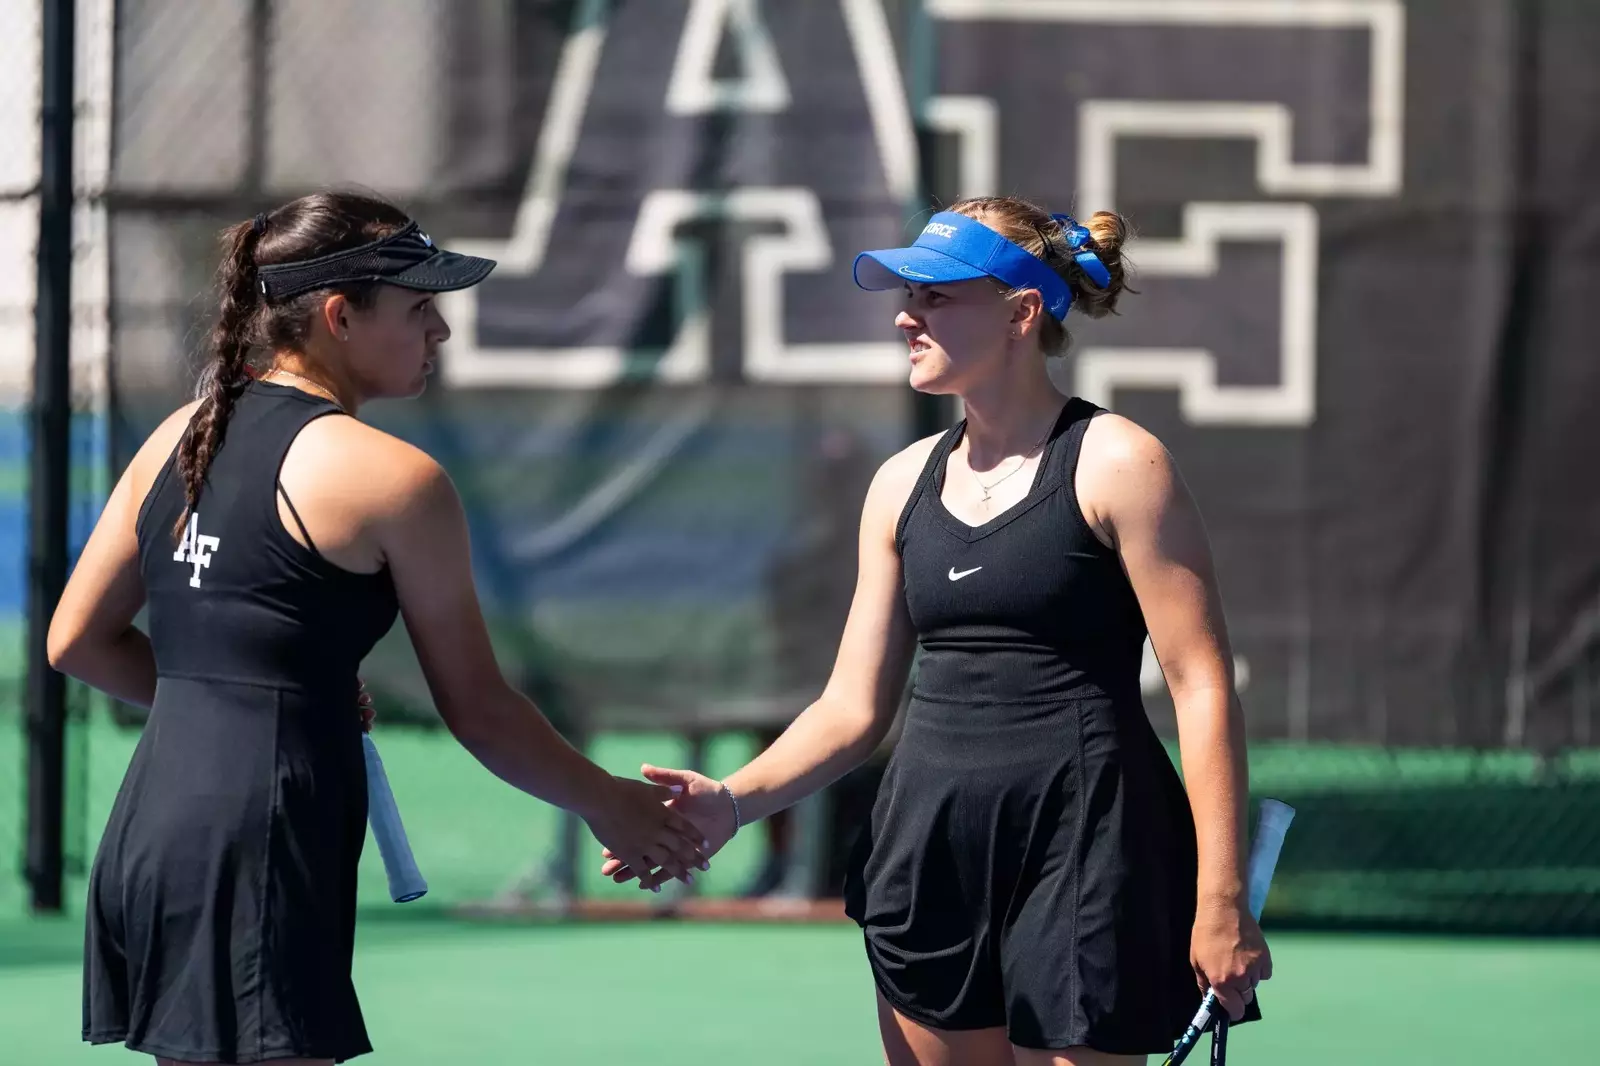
1077,236
258,225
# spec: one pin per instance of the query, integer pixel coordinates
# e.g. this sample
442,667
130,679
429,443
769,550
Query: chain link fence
20,32
648,544
21,66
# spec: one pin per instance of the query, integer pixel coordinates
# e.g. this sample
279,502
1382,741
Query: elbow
1212,703
63,648
873,730
860,729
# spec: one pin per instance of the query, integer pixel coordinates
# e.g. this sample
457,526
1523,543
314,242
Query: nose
441,328
904,320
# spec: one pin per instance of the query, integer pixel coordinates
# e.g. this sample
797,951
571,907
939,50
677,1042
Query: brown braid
307,228
225,376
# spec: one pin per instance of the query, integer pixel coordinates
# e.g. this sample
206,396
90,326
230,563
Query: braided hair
307,228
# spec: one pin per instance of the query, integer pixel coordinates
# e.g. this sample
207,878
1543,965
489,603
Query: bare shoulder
1118,441
153,453
1119,450
371,463
897,476
1124,473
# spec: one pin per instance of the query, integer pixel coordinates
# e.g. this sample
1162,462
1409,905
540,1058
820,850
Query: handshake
656,830
664,827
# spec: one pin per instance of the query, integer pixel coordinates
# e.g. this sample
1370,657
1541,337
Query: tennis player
275,538
1035,885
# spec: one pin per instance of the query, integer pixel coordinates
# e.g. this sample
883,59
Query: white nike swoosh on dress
954,576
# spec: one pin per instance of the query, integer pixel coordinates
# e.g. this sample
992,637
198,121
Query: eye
925,295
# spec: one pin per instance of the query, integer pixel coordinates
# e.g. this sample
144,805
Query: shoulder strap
304,532
273,420
1069,445
1076,417
930,475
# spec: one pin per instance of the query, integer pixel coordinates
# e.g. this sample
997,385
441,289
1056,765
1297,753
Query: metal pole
255,175
50,458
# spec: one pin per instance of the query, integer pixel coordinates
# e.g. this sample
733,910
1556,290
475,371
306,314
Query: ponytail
227,372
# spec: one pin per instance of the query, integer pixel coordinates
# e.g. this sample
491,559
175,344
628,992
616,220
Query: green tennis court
437,988
441,991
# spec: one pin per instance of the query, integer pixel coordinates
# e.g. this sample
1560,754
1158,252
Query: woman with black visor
275,538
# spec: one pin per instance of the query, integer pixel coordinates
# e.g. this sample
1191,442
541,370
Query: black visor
406,258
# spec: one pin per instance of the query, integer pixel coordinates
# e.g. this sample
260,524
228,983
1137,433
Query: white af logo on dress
196,549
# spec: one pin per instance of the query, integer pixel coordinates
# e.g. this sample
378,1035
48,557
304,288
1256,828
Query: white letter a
695,91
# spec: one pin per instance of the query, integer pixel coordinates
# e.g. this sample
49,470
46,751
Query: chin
417,385
934,381
402,390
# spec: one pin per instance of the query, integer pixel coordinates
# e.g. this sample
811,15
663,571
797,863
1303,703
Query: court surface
670,993
438,989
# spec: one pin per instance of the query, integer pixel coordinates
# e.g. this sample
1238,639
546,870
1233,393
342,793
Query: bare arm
1134,497
423,536
1133,493
92,636
427,545
851,717
856,708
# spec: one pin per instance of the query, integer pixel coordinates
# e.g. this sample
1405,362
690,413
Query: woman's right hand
699,797
634,823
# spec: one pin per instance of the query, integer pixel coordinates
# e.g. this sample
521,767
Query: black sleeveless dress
1030,859
221,906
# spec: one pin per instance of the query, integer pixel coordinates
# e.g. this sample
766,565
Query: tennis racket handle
1272,824
406,882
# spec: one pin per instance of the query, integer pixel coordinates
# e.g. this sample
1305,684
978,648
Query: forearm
123,666
508,734
1211,743
826,741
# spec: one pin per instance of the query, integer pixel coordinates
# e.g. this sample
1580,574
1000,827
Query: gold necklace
1008,473
322,389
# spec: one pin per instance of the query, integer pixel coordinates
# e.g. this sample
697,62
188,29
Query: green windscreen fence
1363,326
1383,838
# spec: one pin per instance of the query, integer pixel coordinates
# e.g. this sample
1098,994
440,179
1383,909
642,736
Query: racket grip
406,882
1271,826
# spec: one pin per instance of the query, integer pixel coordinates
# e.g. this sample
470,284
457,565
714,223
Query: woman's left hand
365,706
1229,954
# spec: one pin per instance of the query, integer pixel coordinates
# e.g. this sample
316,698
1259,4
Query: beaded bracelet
737,820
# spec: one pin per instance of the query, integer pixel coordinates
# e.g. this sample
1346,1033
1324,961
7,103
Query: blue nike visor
953,247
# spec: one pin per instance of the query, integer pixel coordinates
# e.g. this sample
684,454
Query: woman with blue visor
1036,884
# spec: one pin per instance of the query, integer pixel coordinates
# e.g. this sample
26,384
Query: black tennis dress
1030,859
221,906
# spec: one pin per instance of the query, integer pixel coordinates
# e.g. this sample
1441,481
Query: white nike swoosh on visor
954,576
908,272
